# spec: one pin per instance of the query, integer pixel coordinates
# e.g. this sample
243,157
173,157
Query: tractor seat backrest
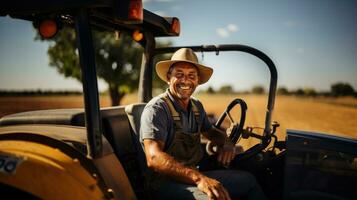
134,112
118,129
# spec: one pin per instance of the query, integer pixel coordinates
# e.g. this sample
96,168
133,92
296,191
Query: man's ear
168,78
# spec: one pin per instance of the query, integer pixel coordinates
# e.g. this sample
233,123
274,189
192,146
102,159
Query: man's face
183,80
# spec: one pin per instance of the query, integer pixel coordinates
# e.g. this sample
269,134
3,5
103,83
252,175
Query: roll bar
145,93
90,88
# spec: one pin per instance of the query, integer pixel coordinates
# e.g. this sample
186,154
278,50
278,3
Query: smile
184,87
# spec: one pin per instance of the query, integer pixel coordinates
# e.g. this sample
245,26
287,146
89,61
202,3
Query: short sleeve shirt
157,123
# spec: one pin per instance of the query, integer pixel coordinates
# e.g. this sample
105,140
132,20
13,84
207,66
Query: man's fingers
232,156
226,194
216,193
226,158
210,195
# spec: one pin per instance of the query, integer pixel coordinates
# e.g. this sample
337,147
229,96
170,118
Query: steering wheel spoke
235,130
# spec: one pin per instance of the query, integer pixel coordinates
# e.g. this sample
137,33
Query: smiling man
171,128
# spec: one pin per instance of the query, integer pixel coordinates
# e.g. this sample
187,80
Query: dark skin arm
163,163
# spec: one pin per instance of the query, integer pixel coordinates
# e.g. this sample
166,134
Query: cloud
232,28
226,31
222,32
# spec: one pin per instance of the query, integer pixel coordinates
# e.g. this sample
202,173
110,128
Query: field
328,115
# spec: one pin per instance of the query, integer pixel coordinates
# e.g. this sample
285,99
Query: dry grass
327,115
9,105
333,116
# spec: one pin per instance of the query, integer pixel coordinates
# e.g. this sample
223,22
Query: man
171,126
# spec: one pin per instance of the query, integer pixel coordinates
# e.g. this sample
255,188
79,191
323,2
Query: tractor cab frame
93,153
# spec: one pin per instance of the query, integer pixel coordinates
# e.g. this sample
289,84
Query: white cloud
226,31
232,28
222,32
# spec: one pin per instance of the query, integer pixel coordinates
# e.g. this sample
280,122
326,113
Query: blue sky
312,42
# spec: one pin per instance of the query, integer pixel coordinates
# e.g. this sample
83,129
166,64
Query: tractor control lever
248,132
274,125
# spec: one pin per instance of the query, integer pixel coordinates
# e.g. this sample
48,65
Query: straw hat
184,55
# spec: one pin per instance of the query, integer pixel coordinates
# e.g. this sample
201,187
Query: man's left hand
227,153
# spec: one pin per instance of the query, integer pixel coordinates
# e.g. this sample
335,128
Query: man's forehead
184,65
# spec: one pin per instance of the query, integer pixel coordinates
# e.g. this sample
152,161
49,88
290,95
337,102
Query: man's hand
212,188
227,153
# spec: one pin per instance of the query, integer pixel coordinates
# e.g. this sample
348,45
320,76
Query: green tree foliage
283,91
118,61
158,84
210,90
342,89
258,89
310,92
299,92
226,89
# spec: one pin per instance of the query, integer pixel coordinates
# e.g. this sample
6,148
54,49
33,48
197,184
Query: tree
158,84
226,89
341,89
210,90
299,92
258,89
118,61
310,92
283,91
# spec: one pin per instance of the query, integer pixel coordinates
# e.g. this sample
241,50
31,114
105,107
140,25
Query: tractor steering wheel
235,129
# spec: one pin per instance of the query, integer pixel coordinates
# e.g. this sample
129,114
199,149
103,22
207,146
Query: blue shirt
157,123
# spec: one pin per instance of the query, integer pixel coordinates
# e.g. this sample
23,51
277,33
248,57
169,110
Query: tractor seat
134,112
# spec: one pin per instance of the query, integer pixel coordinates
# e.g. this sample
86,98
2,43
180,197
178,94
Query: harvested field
328,115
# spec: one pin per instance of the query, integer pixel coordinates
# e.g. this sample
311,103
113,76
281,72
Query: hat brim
163,67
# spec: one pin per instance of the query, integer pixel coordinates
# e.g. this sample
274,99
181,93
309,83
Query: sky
313,43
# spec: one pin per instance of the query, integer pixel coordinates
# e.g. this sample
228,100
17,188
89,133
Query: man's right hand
212,188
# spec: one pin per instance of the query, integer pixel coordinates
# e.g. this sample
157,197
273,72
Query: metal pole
145,84
90,87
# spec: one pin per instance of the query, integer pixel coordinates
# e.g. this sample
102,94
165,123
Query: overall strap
176,116
196,111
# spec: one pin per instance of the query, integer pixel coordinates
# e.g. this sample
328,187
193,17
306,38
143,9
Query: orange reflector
175,26
137,35
48,28
136,10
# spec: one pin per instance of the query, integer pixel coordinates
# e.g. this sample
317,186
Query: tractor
95,153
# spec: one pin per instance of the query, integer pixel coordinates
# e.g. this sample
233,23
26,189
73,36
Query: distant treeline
38,92
336,90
